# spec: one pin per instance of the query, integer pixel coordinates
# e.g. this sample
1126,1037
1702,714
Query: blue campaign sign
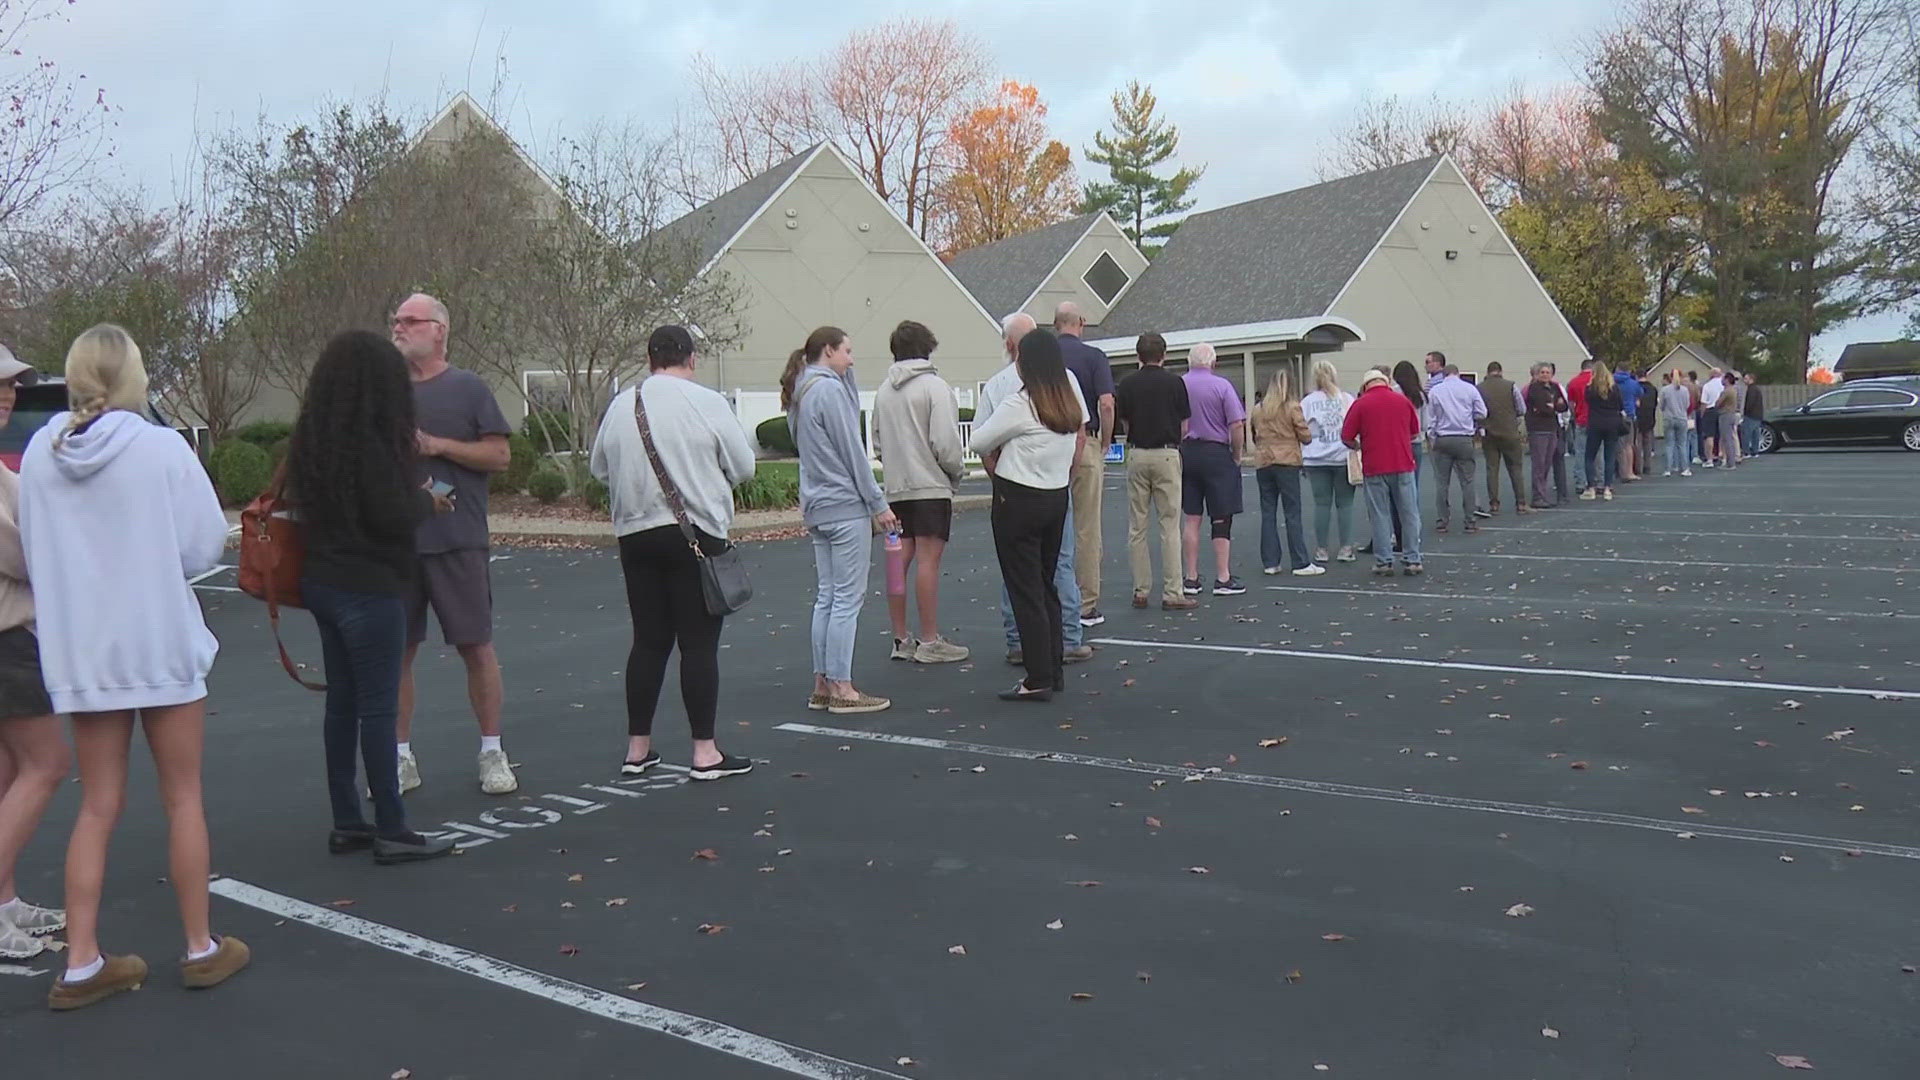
1116,453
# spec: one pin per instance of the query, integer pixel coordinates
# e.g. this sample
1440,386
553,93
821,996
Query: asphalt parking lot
1624,789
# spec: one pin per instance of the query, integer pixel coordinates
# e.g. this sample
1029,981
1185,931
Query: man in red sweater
1382,425
1577,397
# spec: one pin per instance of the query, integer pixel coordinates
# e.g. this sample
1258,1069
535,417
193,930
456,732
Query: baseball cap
13,368
1373,375
670,343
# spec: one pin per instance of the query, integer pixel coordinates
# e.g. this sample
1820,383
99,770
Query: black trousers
668,608
1027,527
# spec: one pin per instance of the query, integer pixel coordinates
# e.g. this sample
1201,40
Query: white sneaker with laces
17,944
496,776
939,651
31,919
409,773
1310,570
1686,472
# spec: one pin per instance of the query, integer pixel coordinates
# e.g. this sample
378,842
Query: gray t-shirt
456,404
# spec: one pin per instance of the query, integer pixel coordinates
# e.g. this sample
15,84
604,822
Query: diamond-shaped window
1105,278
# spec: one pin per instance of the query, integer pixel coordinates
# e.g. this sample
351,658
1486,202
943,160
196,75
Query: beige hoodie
917,428
16,599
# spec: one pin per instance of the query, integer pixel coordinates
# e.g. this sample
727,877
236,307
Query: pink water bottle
896,565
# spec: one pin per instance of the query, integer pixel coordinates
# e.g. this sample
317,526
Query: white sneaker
496,776
17,944
409,773
1686,472
1310,570
34,920
1269,570
903,648
1669,472
939,651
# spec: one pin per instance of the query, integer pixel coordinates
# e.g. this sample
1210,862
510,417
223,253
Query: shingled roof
710,227
1280,257
1004,274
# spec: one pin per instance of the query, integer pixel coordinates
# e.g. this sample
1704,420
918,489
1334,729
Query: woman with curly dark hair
352,472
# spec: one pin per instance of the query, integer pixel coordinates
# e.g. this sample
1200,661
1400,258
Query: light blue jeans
1679,445
842,554
1579,455
1385,494
1072,634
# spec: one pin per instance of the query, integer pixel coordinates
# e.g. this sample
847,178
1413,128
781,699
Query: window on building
1105,278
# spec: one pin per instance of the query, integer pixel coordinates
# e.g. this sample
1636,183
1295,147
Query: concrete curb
747,525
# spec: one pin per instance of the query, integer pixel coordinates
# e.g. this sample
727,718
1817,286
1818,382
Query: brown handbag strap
293,671
668,489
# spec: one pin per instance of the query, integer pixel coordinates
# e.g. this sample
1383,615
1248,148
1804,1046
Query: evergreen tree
1135,195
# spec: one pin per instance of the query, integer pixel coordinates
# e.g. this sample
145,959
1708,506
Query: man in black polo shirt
1151,404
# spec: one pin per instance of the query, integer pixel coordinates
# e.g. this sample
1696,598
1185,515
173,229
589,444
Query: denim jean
1280,490
1332,497
1580,457
841,557
1607,449
1384,494
1679,445
1749,436
362,639
1071,632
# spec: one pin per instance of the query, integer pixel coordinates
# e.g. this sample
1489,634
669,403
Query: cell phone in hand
441,488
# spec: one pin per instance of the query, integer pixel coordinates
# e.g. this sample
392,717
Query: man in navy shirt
1094,373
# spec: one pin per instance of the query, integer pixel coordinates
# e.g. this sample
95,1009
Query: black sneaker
1483,513
728,765
1229,587
1191,586
355,838
1092,618
637,768
409,848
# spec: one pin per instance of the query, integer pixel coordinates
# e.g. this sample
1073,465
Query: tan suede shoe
228,959
117,974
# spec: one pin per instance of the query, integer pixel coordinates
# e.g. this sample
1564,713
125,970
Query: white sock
82,974
213,946
489,742
406,749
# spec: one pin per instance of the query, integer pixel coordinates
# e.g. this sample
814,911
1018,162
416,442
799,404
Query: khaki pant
1087,478
1154,475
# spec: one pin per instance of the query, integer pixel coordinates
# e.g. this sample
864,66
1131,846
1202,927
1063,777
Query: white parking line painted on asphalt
1505,669
1651,561
708,1034
1355,791
1626,506
1694,532
1519,599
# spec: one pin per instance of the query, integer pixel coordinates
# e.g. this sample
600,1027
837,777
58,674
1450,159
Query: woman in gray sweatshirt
841,504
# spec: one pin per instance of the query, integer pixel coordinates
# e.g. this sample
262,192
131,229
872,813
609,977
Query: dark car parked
33,406
1862,411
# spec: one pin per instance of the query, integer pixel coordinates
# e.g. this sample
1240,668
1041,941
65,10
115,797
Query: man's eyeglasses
408,322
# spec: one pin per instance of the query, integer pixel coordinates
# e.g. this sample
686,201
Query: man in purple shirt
1455,410
1210,469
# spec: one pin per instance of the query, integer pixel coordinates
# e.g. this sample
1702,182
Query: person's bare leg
897,605
33,761
926,586
175,736
1190,546
403,723
100,745
1222,548
485,689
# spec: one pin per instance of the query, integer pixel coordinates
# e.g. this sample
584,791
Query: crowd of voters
387,472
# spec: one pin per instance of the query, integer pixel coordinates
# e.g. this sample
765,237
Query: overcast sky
1255,88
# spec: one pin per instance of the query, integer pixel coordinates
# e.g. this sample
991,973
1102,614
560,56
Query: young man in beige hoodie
33,749
916,430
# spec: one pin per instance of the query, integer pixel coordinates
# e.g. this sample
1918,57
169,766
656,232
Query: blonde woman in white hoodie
115,514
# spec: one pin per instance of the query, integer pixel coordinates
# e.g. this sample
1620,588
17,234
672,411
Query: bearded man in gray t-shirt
462,438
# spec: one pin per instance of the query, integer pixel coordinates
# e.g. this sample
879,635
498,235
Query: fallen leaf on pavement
1685,835
1084,884
1519,911
784,851
956,950
1080,997
511,908
1793,1061
617,901
636,986
979,768
1791,704
1838,735
1267,744
1549,1033
1143,976
1128,682
400,1074
707,854
710,928
342,903
1056,925
1294,976
1786,858
569,950
1198,870
1578,765
1333,937
1153,823
576,878
1691,810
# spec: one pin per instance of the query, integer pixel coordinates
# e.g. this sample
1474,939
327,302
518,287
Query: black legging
667,607
1028,528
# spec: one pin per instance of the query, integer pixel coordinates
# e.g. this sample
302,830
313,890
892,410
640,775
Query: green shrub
240,471
524,457
966,414
597,496
264,434
550,430
548,484
775,486
775,435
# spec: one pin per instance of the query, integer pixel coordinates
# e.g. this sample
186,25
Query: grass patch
775,486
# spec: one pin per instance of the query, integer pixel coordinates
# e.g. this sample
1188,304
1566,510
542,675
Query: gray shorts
23,694
458,585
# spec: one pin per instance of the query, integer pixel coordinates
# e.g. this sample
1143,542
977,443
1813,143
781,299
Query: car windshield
32,408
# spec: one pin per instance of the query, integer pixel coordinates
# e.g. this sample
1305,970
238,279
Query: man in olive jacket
1504,441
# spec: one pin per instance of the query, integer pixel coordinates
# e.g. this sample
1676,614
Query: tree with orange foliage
1009,177
1821,376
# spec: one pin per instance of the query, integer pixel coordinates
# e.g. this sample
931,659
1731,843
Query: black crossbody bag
723,575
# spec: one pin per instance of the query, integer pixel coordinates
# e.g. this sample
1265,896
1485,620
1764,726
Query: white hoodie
114,520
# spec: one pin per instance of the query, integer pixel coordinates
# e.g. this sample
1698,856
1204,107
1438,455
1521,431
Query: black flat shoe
637,768
1021,693
413,848
728,765
345,841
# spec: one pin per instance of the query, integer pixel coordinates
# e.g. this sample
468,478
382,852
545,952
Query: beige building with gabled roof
1086,260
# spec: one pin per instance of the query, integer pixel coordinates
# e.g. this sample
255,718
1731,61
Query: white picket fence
755,407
